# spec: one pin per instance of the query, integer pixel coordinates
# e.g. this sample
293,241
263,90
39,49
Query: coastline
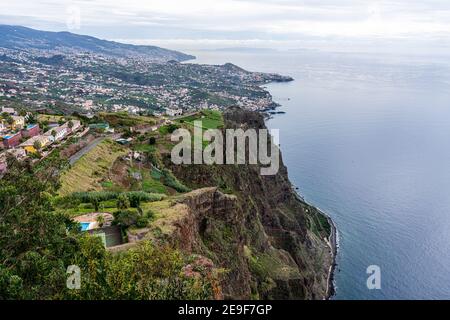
332,240
333,243
269,112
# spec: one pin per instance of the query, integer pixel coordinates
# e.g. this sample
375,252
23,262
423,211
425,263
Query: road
85,150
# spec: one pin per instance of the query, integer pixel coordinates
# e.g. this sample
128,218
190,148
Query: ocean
366,138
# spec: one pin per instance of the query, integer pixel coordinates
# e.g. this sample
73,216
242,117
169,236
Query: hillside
273,243
18,37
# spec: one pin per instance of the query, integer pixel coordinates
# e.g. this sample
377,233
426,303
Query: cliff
270,243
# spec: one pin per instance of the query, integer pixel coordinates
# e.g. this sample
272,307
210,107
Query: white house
19,122
57,133
3,127
9,111
76,124
174,112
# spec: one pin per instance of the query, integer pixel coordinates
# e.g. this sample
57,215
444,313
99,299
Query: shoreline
333,243
332,240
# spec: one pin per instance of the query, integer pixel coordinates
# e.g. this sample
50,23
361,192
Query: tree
70,124
123,202
31,118
100,220
35,244
9,120
152,141
37,145
96,203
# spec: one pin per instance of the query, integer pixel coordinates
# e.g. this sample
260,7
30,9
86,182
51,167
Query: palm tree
37,145
100,220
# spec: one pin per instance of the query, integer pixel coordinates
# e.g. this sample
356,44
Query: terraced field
88,172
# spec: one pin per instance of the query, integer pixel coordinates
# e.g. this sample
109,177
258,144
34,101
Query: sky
403,24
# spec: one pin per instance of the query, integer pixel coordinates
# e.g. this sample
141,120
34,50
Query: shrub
123,201
171,181
86,197
125,218
136,197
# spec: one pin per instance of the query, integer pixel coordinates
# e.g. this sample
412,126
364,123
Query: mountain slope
18,37
273,244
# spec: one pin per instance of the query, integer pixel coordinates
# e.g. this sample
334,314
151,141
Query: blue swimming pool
84,226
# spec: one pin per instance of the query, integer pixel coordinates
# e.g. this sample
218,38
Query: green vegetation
144,147
171,181
168,129
211,119
37,245
105,201
124,119
317,222
87,172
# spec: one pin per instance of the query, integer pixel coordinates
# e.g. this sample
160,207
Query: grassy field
49,118
211,119
88,172
126,120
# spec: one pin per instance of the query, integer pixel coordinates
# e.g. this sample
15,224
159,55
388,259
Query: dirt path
85,150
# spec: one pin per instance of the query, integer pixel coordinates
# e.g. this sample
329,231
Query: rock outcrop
270,243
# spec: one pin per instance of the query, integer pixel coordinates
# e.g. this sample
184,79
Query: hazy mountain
18,37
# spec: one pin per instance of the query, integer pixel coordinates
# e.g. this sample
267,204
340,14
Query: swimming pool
85,226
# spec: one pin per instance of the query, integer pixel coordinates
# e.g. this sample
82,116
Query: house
3,164
31,130
18,122
3,127
122,141
174,112
12,140
109,234
9,111
18,153
101,126
76,124
57,133
29,145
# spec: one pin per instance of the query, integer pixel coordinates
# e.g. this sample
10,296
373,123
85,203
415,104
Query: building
29,145
3,127
101,126
174,112
3,164
19,122
31,130
57,133
9,111
76,124
18,153
12,140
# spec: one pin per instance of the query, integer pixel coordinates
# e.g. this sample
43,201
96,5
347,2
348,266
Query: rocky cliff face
270,244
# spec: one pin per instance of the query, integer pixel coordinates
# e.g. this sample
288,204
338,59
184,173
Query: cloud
240,19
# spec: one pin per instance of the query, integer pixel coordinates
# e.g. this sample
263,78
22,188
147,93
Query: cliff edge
269,242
